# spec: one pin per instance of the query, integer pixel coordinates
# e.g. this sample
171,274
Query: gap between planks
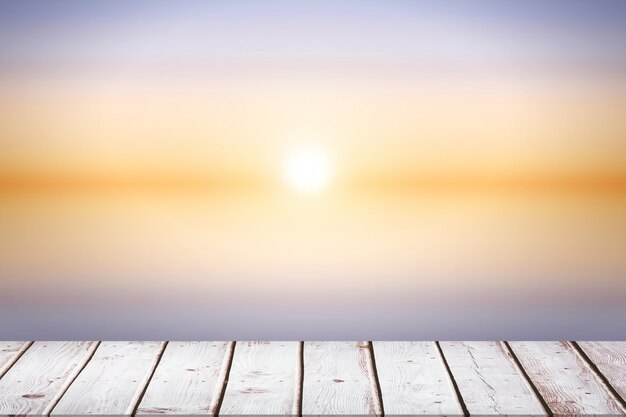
220,388
6,366
529,382
57,398
297,404
568,384
137,400
377,392
599,375
455,386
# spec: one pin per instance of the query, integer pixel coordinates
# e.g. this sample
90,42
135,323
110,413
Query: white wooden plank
113,380
186,379
264,379
610,358
338,379
489,381
10,352
563,379
35,382
413,379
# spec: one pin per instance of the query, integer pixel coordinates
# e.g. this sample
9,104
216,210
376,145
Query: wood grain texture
563,379
413,379
35,382
186,379
317,378
338,379
113,381
489,380
610,358
10,353
263,379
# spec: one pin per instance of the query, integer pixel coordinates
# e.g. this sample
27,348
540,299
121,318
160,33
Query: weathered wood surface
186,379
610,359
10,352
338,379
314,378
488,379
113,381
264,379
414,380
37,380
564,380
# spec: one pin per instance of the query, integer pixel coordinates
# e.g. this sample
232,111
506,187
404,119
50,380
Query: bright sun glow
308,169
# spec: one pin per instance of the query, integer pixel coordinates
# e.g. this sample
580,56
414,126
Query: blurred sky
394,88
478,147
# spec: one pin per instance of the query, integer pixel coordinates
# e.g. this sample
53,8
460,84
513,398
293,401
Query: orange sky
231,130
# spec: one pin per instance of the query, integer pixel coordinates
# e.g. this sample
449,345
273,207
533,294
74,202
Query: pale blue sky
168,36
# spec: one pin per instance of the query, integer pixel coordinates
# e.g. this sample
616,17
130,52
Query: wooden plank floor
313,378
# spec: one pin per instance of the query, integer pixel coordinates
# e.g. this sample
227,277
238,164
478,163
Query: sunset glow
308,169
242,163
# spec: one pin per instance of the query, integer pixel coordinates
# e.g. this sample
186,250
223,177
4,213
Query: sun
307,169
